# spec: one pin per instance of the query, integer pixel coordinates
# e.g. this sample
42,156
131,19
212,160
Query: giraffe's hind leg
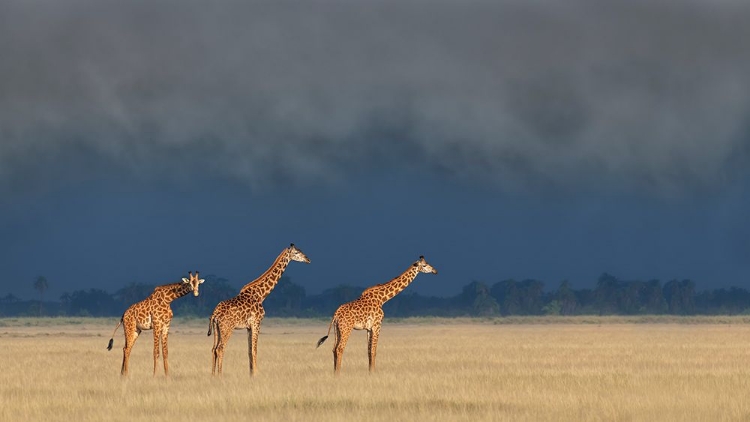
214,354
342,336
157,337
131,335
372,345
224,334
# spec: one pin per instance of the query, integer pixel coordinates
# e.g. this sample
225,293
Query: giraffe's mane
265,274
253,283
168,286
373,288
165,288
380,286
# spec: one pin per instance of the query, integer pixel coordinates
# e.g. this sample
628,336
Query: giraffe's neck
386,291
170,292
263,285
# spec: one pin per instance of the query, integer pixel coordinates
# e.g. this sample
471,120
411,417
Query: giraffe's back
139,314
361,314
238,312
144,313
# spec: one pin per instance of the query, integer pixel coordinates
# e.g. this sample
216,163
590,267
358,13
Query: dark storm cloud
524,95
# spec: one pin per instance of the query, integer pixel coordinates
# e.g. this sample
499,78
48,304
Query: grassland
428,369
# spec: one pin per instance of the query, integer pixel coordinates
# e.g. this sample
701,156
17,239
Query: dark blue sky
106,234
498,139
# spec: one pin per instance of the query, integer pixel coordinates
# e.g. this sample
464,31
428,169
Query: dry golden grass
472,370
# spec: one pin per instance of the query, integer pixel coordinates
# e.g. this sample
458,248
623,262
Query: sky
499,139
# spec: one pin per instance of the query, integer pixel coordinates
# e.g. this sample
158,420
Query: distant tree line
610,296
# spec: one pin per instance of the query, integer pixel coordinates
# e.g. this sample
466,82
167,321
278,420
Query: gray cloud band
522,95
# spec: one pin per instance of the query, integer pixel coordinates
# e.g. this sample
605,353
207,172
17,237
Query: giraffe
154,313
246,310
366,313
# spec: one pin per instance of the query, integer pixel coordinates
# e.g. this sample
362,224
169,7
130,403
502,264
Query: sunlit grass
426,370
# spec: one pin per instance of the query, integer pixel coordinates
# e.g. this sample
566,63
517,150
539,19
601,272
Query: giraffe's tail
210,325
323,339
112,339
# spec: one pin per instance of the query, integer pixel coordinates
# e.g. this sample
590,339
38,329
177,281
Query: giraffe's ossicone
153,313
366,313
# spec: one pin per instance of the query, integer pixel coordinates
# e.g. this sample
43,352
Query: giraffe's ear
201,281
185,280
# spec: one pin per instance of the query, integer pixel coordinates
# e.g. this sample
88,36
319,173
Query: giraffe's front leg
250,354
164,348
252,343
157,337
372,345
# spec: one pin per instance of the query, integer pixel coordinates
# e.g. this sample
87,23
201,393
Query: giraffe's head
296,255
423,266
194,281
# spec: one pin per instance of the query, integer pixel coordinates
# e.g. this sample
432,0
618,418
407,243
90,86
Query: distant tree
566,297
133,292
532,298
477,300
93,302
519,298
413,304
507,294
485,305
679,296
586,301
326,302
65,300
40,285
629,297
286,299
738,300
652,298
552,308
606,293
10,298
214,290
